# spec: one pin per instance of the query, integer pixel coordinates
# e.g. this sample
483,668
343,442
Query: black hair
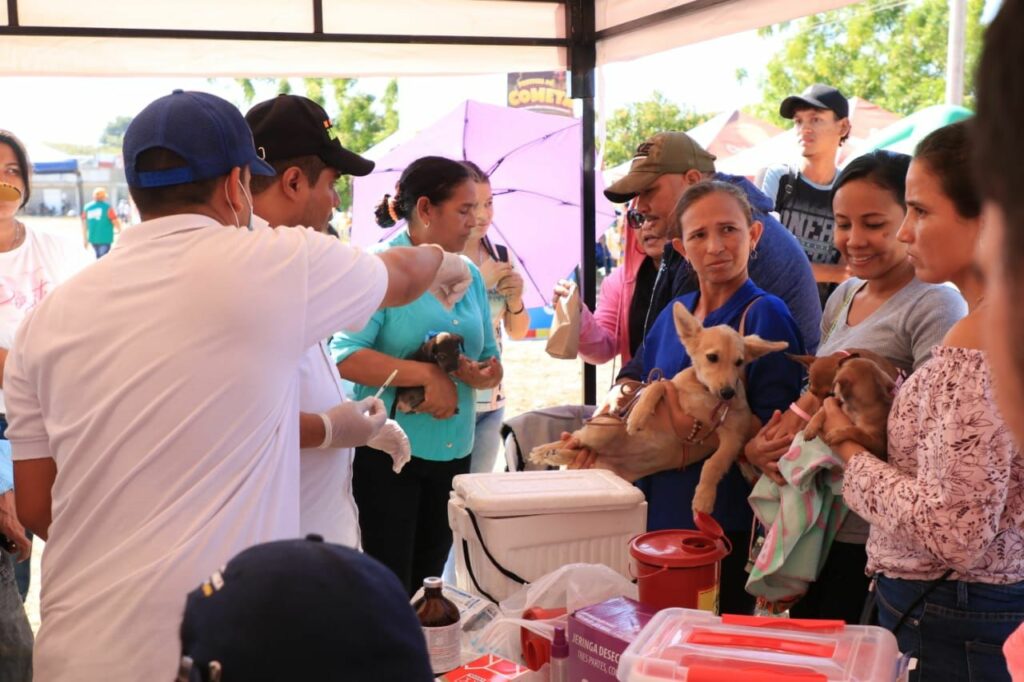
698,191
997,142
946,152
310,165
9,139
885,169
154,201
433,177
476,172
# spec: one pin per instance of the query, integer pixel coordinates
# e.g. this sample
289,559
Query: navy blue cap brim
261,167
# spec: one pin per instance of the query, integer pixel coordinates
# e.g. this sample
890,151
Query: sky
76,110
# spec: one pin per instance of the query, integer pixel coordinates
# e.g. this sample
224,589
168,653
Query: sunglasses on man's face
635,219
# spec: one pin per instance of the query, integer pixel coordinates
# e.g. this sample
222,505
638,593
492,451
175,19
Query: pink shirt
952,493
605,332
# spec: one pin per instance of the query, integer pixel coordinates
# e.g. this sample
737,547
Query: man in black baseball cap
803,192
294,135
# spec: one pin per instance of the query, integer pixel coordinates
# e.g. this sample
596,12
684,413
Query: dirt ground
533,380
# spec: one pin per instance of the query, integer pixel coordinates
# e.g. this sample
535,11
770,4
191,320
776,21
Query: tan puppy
865,393
650,438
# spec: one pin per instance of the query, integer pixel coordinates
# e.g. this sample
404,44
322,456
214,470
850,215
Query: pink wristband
800,412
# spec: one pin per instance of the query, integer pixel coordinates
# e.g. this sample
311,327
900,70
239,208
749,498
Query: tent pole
582,56
955,52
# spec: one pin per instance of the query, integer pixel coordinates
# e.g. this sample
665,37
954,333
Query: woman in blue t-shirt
719,236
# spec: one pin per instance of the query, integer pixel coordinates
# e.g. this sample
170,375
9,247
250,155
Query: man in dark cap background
803,193
302,610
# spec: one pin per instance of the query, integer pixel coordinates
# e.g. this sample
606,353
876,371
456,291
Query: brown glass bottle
439,618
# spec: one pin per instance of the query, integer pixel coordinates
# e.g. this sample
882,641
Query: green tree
113,134
891,53
361,120
629,126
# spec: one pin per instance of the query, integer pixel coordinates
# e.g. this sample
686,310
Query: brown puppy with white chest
865,392
650,439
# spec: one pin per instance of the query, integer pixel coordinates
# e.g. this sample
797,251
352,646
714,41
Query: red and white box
686,644
487,668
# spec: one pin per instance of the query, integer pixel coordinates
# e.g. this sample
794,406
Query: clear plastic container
697,646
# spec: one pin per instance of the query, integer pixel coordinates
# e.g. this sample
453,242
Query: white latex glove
452,280
392,440
352,423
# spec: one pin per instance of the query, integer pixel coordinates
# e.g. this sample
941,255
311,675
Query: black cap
289,126
303,610
817,96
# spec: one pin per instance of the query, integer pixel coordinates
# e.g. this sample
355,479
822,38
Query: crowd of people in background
170,450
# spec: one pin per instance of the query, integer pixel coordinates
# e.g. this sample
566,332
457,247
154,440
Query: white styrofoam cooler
533,522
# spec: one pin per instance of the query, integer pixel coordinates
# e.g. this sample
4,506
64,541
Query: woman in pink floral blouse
947,509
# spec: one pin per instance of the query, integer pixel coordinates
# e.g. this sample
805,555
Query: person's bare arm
411,269
3,362
33,479
311,430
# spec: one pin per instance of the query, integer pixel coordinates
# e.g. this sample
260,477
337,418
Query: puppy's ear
688,327
754,347
883,382
805,360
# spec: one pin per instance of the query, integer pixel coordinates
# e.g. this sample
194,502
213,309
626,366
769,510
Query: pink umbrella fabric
534,164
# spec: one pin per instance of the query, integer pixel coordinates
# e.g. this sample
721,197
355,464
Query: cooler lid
545,492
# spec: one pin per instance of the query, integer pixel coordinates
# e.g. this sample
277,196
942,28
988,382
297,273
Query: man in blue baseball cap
155,441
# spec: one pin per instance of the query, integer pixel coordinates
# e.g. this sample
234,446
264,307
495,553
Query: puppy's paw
636,422
703,499
551,454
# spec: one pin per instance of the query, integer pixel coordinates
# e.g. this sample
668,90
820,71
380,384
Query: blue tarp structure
47,160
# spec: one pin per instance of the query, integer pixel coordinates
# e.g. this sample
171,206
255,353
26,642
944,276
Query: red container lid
682,548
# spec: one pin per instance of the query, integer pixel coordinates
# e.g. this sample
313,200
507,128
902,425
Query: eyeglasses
635,219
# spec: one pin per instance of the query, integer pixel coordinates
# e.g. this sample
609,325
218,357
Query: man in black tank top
803,194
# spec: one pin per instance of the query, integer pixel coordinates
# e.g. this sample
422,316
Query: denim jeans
15,632
957,631
101,250
487,440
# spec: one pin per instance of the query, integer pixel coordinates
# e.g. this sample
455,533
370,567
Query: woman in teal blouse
403,517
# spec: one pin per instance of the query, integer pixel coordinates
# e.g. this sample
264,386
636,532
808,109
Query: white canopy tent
352,38
356,37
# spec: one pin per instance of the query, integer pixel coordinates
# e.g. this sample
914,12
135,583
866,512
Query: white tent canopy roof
352,37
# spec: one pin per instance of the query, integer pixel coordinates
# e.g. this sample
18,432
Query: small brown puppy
711,390
443,349
865,393
821,370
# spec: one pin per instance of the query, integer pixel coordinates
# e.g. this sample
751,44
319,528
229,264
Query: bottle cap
559,647
432,583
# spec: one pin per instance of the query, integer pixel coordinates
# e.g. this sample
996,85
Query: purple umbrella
534,164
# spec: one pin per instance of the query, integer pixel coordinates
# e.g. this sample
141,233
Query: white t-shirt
30,272
163,382
326,506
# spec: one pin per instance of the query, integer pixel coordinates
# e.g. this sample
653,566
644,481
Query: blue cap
205,130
